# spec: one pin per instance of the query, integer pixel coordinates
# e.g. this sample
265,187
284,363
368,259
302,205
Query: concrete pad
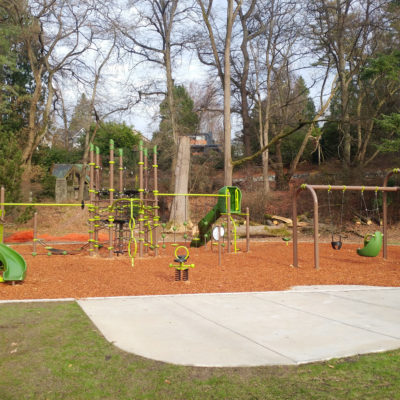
157,328
383,298
367,311
250,329
337,288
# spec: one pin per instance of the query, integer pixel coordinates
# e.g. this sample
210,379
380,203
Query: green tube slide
14,265
205,226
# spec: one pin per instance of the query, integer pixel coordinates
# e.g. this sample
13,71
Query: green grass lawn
53,351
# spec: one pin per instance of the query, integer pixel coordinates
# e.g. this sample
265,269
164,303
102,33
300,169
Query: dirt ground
267,266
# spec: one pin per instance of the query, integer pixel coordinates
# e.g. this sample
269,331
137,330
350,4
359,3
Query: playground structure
372,243
133,223
131,217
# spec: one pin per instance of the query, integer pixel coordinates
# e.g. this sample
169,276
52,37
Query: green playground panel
235,199
220,208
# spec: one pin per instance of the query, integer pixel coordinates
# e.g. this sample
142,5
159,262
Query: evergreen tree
187,120
10,166
187,124
124,137
391,125
81,119
16,85
16,81
303,110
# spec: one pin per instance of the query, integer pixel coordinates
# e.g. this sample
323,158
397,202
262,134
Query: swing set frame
313,188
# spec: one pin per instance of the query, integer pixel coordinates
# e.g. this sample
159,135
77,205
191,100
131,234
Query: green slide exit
14,264
205,226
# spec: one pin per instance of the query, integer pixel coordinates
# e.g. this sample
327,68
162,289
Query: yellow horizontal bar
46,204
116,201
193,194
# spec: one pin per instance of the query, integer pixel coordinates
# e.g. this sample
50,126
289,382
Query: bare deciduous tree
207,104
222,63
52,33
272,53
151,35
344,33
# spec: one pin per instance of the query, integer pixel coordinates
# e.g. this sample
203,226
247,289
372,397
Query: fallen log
288,221
261,230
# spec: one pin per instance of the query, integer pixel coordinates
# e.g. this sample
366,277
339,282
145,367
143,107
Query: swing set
372,242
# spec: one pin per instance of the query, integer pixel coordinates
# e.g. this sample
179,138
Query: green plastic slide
372,245
14,264
205,225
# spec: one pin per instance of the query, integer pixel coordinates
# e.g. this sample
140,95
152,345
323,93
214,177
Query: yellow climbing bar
193,194
46,204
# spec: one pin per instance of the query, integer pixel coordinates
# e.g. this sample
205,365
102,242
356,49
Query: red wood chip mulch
266,267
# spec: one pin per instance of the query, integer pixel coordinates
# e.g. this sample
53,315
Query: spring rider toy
182,269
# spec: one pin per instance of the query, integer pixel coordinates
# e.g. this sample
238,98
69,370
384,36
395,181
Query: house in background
67,182
202,143
76,138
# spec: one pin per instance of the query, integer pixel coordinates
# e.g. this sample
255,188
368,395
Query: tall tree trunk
172,111
344,125
85,159
180,204
65,122
32,128
265,170
26,180
265,123
224,75
246,121
84,171
281,183
36,132
170,96
228,168
167,25
366,138
264,140
243,92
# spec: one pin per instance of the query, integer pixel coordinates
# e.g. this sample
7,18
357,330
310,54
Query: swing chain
376,206
341,208
364,204
336,244
329,202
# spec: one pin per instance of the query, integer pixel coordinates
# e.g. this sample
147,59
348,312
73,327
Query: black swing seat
336,244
